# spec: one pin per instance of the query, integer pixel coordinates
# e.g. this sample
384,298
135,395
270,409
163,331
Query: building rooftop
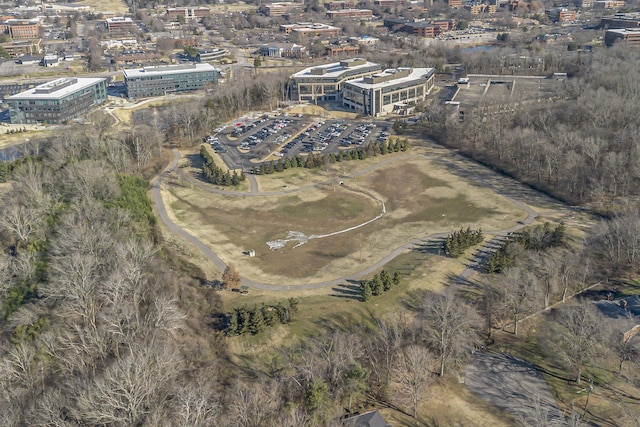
56,89
388,77
335,69
167,69
119,19
625,31
309,26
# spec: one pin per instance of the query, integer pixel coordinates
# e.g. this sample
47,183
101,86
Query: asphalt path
514,385
484,180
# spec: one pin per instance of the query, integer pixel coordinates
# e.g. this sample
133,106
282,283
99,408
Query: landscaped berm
398,198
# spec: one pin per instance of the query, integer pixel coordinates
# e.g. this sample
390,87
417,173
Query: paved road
419,242
515,386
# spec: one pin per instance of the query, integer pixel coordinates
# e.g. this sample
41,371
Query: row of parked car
264,133
215,144
359,135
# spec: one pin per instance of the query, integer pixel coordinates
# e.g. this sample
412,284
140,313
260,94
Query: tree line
216,175
313,160
456,243
378,285
242,321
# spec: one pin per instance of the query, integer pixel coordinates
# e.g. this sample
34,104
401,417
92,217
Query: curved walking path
215,259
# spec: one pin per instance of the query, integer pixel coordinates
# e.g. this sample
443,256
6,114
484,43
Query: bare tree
231,277
518,291
450,326
578,334
413,375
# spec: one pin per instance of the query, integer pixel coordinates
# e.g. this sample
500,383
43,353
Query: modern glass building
162,80
57,101
324,82
389,91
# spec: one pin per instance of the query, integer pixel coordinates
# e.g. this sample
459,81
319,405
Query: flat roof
168,69
625,30
334,69
67,86
416,73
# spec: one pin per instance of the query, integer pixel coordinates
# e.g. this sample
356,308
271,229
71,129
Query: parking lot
291,135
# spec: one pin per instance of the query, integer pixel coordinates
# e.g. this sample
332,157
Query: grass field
420,197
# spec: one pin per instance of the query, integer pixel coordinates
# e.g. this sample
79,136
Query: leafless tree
450,327
578,334
413,375
518,292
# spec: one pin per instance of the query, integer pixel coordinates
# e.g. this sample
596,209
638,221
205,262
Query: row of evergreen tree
378,285
313,160
242,321
216,175
538,238
459,241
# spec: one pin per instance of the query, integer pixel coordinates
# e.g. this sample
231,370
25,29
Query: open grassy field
117,6
420,198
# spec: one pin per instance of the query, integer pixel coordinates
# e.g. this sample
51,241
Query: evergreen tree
293,306
387,282
376,286
396,278
232,327
256,321
365,290
243,321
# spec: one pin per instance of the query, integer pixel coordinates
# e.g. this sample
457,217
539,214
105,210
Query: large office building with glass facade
166,79
324,82
57,101
391,91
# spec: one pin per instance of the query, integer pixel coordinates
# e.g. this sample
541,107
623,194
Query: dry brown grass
117,6
421,198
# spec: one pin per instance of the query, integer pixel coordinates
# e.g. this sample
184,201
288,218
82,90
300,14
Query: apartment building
57,101
21,29
393,90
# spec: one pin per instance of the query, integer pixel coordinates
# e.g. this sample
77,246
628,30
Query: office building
120,26
188,13
21,29
281,8
350,14
630,36
306,30
391,91
166,79
57,101
324,82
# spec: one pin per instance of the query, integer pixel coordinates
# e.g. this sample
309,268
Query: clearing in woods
421,197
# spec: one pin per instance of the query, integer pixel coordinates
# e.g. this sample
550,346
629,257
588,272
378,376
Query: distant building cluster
420,27
305,30
363,86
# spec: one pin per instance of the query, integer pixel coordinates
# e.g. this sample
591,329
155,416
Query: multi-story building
340,4
57,101
18,48
350,13
621,20
478,8
282,50
305,30
342,49
630,36
188,13
393,90
324,82
281,8
162,80
384,3
21,29
562,15
120,26
608,4
454,3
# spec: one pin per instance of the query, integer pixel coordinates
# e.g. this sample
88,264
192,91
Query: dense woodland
105,323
